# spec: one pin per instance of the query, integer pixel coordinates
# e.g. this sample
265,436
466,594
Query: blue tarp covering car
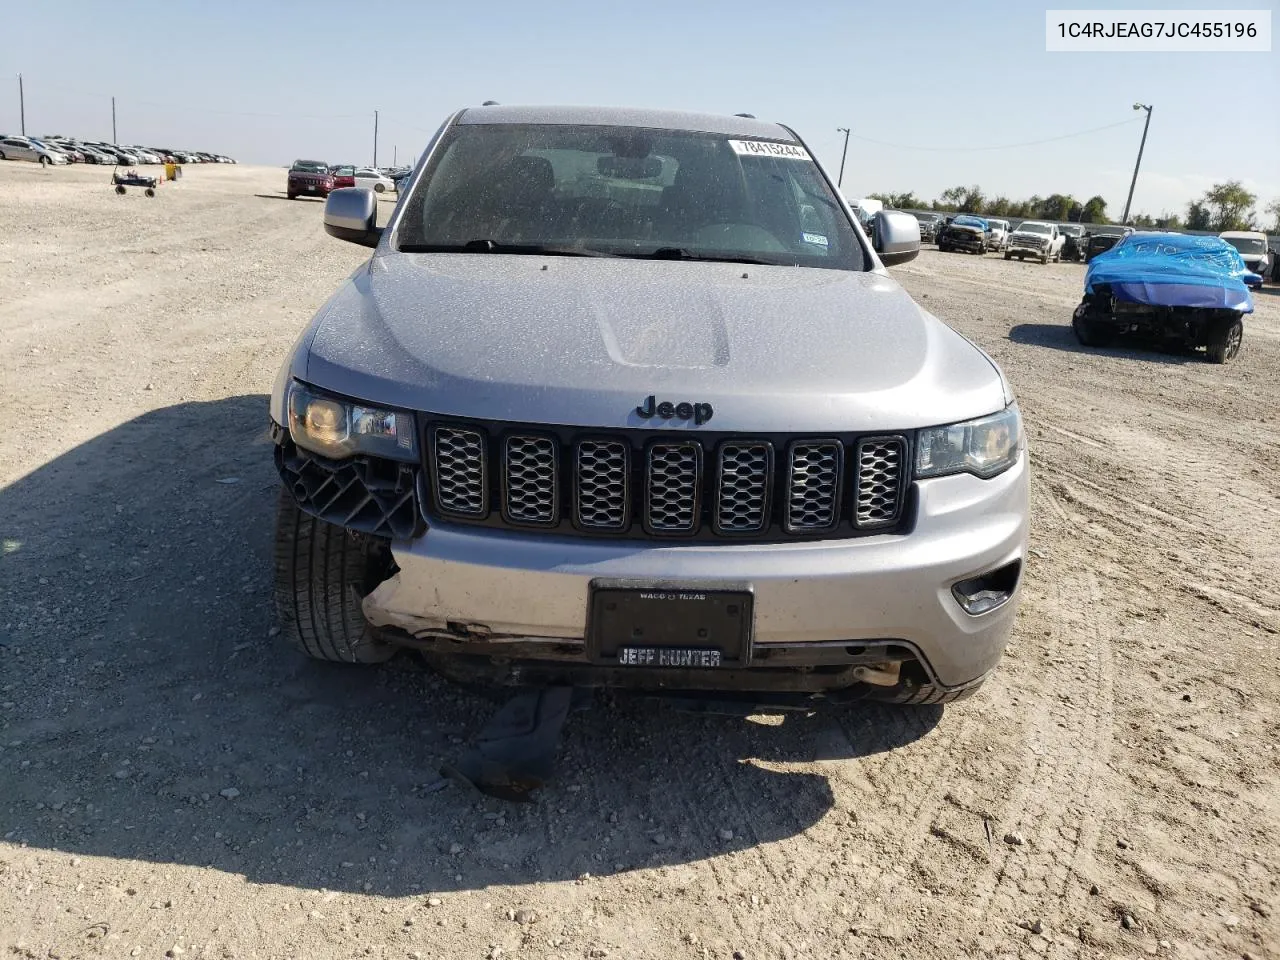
1186,292
964,220
1173,270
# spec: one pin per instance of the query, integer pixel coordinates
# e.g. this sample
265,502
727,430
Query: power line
1002,146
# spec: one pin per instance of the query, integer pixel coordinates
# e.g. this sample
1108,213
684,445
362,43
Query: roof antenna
748,116
490,103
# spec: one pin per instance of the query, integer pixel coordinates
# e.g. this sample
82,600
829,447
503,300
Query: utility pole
1134,181
375,138
22,107
113,121
395,152
843,154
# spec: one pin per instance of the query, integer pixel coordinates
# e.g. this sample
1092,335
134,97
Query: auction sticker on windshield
769,148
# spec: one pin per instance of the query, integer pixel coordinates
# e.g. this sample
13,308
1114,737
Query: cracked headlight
984,447
337,428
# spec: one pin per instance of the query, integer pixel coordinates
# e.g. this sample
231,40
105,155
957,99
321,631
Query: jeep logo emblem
699,413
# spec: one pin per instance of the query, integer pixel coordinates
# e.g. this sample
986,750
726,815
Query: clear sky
267,82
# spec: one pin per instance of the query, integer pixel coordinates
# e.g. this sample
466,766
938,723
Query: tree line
1224,206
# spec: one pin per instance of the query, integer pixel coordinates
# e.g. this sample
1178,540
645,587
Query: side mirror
351,214
897,237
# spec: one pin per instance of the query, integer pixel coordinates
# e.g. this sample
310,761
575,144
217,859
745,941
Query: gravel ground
174,782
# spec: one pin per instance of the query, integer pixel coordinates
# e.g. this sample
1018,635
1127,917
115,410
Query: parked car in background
999,238
1252,245
928,226
22,148
72,152
1035,238
1073,241
965,232
1184,291
309,178
343,176
371,178
1103,238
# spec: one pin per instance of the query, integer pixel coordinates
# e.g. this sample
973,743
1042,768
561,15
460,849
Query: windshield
344,171
1249,245
627,191
1072,230
309,166
1034,228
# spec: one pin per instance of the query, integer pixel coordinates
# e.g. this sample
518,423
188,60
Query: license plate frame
656,624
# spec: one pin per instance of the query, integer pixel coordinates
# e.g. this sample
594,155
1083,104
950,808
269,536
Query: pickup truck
966,232
1252,245
1035,238
1073,240
999,239
1101,239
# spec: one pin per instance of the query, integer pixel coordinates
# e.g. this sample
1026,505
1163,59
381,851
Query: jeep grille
636,483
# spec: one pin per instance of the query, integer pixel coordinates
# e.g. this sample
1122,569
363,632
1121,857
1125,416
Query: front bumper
966,241
817,604
1026,249
309,187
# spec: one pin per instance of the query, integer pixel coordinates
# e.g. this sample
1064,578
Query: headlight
984,447
338,428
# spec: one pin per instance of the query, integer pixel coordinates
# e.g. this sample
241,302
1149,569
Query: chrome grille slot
879,483
813,475
602,500
742,496
673,471
459,472
530,480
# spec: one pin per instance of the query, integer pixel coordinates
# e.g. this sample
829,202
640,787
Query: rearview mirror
351,214
897,236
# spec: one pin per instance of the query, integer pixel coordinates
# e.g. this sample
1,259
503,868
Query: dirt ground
173,781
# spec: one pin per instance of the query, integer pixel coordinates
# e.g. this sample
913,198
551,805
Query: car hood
584,341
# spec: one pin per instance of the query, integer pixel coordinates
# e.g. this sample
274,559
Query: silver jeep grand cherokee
627,398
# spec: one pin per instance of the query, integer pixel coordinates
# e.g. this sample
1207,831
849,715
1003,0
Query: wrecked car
1182,291
1100,239
1074,239
965,232
623,398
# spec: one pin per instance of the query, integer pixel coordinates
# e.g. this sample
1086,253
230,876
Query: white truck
1035,238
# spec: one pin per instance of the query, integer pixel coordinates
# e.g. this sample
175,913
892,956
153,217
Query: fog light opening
982,594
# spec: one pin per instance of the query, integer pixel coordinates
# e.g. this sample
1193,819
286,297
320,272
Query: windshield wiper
680,253
493,246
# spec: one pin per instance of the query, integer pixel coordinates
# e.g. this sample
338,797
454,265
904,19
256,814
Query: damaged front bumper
829,616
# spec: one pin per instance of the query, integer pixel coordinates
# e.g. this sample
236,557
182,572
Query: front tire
1086,333
1008,255
1224,342
379,188
322,573
916,693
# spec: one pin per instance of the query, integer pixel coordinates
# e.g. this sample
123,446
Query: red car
344,176
309,178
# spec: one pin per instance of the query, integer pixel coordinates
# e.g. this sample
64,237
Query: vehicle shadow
1057,336
282,196
148,713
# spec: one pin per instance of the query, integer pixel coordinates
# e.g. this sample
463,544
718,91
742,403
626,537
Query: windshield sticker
817,238
768,148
